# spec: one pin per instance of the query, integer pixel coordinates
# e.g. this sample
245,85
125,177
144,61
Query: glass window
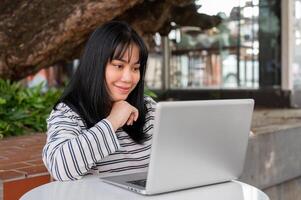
243,51
297,46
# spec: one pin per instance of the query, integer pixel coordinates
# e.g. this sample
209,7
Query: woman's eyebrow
120,59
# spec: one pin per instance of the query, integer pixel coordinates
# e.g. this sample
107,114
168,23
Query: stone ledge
273,155
290,190
273,158
267,121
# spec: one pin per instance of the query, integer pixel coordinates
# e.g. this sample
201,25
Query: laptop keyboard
141,182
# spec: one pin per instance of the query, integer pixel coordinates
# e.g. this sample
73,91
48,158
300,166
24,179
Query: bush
24,110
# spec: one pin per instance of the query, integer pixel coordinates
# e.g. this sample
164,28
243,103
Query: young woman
103,123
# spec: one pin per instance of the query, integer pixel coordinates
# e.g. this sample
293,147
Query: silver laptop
195,143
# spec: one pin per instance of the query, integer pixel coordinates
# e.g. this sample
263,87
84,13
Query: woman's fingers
135,114
130,120
122,113
133,117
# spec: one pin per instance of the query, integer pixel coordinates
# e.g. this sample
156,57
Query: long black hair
87,92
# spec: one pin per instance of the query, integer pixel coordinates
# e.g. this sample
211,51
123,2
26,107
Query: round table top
92,187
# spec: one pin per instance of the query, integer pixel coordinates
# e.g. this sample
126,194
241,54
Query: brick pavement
20,157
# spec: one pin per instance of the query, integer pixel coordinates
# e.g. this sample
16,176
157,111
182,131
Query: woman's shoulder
149,101
63,110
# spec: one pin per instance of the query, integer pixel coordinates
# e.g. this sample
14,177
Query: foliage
24,110
150,93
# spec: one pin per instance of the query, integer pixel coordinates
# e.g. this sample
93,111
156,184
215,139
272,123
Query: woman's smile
123,89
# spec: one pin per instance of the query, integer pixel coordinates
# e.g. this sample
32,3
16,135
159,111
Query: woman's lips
124,90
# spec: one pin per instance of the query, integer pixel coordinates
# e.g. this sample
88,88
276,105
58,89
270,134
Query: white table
92,187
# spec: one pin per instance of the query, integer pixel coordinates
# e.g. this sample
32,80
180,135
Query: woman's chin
120,97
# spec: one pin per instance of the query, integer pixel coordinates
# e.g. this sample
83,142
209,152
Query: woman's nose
126,75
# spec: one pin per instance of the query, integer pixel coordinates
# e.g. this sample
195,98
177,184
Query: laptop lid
198,143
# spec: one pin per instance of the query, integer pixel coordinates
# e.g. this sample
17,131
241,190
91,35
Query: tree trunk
37,34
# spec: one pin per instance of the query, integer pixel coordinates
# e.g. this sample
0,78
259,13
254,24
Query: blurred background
199,49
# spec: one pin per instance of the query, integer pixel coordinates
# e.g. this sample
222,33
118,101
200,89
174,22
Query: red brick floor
21,165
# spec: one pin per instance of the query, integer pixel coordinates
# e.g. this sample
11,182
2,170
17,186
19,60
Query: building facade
252,53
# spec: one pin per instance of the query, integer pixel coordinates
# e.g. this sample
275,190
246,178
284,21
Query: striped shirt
72,151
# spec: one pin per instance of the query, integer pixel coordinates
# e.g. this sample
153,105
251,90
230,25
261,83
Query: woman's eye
118,66
136,69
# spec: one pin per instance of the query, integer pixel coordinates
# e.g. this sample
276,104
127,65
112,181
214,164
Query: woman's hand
122,112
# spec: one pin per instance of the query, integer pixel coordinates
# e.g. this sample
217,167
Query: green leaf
150,93
2,101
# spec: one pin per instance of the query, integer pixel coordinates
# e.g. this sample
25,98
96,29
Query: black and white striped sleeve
150,114
70,151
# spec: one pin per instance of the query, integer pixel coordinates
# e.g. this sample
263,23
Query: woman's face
122,75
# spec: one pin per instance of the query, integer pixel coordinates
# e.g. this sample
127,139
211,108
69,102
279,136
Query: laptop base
128,181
